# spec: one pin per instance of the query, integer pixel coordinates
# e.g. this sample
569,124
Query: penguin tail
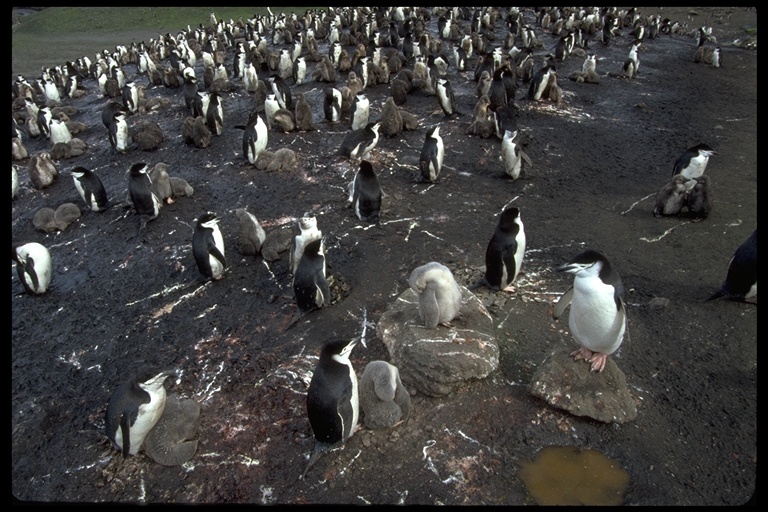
312,460
479,284
716,295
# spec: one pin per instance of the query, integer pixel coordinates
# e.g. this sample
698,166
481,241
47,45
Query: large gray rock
570,385
436,361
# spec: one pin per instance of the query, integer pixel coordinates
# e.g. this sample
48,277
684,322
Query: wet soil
118,303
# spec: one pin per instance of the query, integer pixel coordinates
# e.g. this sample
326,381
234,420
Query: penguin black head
207,219
139,168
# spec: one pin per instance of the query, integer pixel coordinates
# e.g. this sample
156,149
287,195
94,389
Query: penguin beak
568,267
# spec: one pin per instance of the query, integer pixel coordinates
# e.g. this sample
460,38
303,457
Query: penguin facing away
432,155
308,232
310,285
505,251
134,408
33,266
144,199
384,400
90,188
333,404
439,294
365,193
598,317
741,278
208,247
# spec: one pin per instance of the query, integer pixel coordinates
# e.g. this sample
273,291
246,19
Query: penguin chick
383,399
439,294
303,114
170,442
252,235
598,317
698,200
671,198
391,120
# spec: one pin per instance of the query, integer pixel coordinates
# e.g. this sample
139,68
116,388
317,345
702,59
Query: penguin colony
284,51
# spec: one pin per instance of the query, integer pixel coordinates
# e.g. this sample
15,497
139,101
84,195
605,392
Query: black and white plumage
741,278
308,231
190,93
333,404
332,104
33,266
432,155
598,318
445,97
118,132
134,408
145,202
271,106
358,143
59,132
365,193
505,251
130,97
282,92
439,294
44,117
632,63
90,188
512,155
214,117
310,285
208,247
539,82
255,138
693,162
359,113
300,71
670,199
497,92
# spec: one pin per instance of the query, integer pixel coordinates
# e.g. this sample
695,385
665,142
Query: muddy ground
118,303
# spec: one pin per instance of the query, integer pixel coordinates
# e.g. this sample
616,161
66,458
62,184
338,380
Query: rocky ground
118,303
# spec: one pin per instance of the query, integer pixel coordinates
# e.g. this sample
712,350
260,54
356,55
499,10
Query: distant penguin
439,294
214,118
190,93
208,247
33,266
14,182
446,97
134,408
632,63
693,162
504,118
332,105
333,404
271,106
741,278
539,82
384,401
432,155
282,92
308,231
671,198
365,193
505,251
90,188
598,316
460,57
310,285
300,71
59,132
303,114
109,111
118,132
359,113
255,138
358,143
698,201
252,235
497,92
512,155
145,202
44,117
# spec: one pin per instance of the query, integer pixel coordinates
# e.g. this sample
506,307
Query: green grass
52,36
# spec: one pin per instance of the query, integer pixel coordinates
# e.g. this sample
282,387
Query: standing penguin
310,285
271,106
432,155
512,156
598,317
308,232
698,200
144,200
255,138
208,247
693,162
214,118
332,105
303,114
299,70
446,97
33,265
365,193
130,97
741,279
671,198
282,92
333,404
90,188
359,113
134,408
633,61
505,251
439,294
118,132
539,82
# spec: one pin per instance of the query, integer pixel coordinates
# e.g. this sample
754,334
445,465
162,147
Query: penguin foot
598,359
312,459
509,289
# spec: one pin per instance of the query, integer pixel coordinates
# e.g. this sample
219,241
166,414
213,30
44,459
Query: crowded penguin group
597,318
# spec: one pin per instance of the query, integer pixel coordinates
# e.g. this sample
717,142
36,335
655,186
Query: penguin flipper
525,157
429,308
216,253
565,300
125,430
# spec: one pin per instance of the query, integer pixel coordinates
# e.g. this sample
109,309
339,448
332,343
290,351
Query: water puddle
567,475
